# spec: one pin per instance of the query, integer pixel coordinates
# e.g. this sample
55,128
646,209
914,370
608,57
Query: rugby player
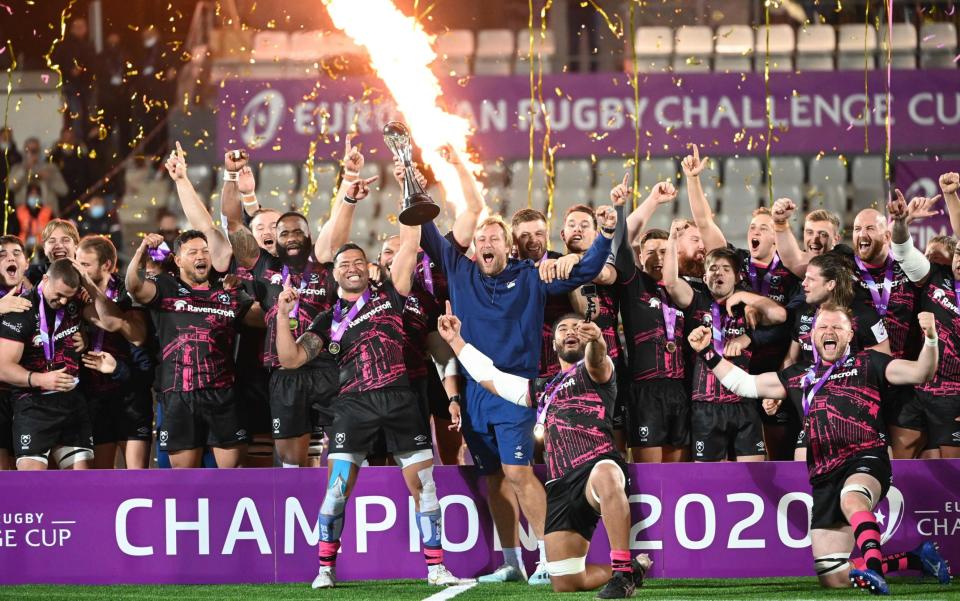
587,475
840,396
364,332
13,269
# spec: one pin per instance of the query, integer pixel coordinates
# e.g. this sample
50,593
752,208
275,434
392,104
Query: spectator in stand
35,169
72,158
154,87
32,216
9,155
168,226
114,91
100,218
77,59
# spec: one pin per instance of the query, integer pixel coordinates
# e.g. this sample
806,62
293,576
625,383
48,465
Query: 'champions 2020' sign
222,526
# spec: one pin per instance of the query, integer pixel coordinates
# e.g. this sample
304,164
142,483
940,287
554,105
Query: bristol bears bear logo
224,298
164,436
276,424
644,432
25,440
276,279
340,437
699,446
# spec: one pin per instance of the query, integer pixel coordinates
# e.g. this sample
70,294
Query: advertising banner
829,112
922,178
233,526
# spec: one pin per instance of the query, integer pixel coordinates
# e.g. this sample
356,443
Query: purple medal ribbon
340,324
808,379
762,287
6,292
881,300
719,326
669,316
427,273
956,291
111,294
159,253
550,392
304,281
47,338
816,354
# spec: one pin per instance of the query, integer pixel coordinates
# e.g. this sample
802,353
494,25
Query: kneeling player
850,470
587,475
364,331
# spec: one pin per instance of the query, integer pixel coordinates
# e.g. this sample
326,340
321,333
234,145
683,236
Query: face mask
97,211
33,201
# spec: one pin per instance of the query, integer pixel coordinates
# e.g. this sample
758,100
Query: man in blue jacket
500,301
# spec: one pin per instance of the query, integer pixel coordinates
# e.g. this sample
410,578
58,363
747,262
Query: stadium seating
495,52
734,50
454,49
782,40
816,45
868,181
545,47
693,49
938,46
903,45
828,184
277,185
202,178
654,47
856,47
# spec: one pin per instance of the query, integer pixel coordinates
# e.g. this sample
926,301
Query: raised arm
401,271
949,183
293,353
197,213
693,166
661,194
480,368
914,263
770,312
901,372
466,222
734,379
353,188
677,287
141,290
237,194
598,363
791,255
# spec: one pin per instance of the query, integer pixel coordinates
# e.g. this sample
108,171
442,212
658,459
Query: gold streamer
6,115
48,57
635,84
533,99
866,81
546,151
888,7
768,100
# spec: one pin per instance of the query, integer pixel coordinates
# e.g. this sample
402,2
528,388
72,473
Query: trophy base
419,210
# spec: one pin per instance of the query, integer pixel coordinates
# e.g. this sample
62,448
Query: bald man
882,284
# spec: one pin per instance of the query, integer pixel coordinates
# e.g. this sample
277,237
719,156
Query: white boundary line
450,592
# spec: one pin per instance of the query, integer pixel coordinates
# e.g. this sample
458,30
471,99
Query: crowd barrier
259,525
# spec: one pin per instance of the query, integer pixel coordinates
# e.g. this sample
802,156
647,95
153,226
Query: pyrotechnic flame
401,53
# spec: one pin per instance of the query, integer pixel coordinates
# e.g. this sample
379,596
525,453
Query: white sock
290,465
512,557
543,552
431,570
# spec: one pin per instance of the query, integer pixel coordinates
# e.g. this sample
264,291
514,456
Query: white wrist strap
231,176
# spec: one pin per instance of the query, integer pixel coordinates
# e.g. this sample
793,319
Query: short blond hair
494,220
824,215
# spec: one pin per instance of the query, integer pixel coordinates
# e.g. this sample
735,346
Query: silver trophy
418,207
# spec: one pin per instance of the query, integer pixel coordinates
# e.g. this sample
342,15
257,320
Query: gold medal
294,323
538,431
671,346
334,348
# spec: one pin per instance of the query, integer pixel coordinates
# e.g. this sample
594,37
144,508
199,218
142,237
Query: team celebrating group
254,339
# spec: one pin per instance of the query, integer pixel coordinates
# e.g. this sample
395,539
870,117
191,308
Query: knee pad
567,567
41,458
830,564
67,456
861,489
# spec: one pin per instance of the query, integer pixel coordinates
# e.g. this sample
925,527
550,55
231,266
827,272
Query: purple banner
224,526
812,112
922,178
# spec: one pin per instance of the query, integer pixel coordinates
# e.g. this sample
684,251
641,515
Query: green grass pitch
767,589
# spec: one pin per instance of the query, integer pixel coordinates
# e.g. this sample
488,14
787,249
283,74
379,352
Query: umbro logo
420,438
956,436
761,446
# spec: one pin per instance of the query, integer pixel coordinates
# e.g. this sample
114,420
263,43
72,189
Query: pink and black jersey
940,298
772,280
606,318
578,422
61,325
557,306
197,328
844,418
868,329
112,342
901,312
372,346
706,387
419,319
317,290
647,310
